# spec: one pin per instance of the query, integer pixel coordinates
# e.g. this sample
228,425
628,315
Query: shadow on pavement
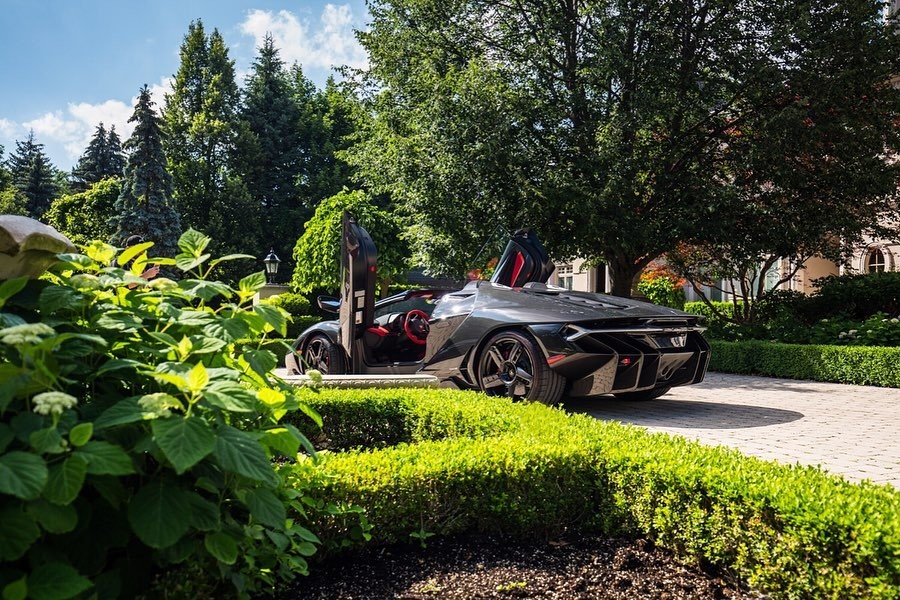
680,414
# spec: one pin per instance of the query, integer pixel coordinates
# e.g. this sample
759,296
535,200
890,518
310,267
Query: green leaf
207,290
202,344
117,364
46,441
22,475
159,513
77,260
240,453
251,283
132,251
184,441
264,506
228,257
56,581
197,378
282,440
165,338
10,288
65,480
193,242
53,518
261,361
18,532
273,316
186,262
231,396
204,514
54,298
120,413
228,330
222,546
81,434
105,458
6,436
17,590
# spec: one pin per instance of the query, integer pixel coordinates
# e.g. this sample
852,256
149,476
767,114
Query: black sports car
513,335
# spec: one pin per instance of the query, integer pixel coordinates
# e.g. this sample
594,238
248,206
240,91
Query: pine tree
103,158
33,176
269,154
144,207
199,122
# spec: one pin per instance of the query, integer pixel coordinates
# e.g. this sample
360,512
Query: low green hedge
462,462
861,365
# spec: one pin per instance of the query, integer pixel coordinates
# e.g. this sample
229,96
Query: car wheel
512,365
643,394
324,356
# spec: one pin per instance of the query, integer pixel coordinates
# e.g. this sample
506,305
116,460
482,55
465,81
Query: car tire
643,395
323,355
511,364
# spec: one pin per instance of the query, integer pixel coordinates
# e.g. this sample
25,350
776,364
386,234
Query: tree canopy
33,176
318,251
103,158
619,129
144,207
84,216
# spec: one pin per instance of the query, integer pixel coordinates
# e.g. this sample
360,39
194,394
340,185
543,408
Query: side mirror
329,304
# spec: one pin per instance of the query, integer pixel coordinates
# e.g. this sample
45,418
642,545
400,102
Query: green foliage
139,428
85,216
298,307
660,120
317,252
200,122
440,463
33,176
144,207
102,159
858,365
13,202
856,296
661,287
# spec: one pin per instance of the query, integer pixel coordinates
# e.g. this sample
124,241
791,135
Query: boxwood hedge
861,365
436,462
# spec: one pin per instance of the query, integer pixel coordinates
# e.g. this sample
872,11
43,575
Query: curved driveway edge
848,430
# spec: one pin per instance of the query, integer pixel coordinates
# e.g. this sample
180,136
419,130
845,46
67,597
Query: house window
565,275
876,262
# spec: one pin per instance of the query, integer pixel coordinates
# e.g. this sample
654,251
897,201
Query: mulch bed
575,566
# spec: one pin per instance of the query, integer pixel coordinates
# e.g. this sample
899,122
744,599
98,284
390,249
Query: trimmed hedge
529,470
860,365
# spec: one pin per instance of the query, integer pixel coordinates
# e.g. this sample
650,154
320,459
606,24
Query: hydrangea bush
141,433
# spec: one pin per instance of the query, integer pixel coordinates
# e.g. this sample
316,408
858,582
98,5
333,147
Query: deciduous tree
84,217
620,128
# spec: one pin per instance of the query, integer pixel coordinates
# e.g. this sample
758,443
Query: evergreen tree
199,120
114,161
327,173
5,175
102,159
144,207
269,156
33,176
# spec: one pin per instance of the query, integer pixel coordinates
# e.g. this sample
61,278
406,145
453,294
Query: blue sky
69,64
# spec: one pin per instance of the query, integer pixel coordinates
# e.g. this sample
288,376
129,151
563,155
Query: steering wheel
415,325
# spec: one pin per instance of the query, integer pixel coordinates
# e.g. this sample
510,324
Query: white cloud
7,128
72,129
329,43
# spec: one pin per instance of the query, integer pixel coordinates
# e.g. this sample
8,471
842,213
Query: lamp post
271,261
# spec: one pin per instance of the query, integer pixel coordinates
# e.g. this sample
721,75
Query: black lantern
271,261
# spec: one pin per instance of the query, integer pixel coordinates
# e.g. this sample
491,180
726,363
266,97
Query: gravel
575,566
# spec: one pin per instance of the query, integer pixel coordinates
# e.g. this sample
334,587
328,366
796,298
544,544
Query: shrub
843,364
300,310
792,532
660,286
137,433
718,326
857,296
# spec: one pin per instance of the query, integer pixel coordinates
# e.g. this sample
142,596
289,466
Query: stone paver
849,430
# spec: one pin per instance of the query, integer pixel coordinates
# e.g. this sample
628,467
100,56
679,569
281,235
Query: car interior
400,330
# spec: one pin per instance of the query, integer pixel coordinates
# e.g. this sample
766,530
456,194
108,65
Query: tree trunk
623,274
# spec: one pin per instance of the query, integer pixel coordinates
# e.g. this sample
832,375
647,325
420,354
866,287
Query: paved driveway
846,429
